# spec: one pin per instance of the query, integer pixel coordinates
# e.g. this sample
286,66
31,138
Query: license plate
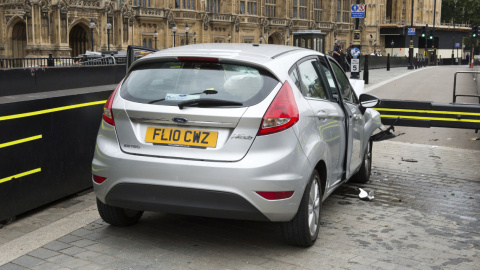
181,136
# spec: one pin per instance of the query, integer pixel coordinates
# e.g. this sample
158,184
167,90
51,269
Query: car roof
253,53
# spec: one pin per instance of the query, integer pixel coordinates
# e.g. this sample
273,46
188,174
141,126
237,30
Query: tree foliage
466,11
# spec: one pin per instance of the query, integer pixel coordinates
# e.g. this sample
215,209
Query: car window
311,82
344,84
295,77
169,83
329,78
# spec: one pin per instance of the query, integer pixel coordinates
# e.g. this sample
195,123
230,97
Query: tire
117,216
303,229
363,175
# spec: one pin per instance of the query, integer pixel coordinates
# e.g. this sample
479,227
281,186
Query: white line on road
375,86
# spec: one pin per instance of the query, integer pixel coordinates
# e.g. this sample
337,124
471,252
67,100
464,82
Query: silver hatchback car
238,131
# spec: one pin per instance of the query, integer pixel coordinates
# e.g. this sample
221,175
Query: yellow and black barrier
428,114
46,148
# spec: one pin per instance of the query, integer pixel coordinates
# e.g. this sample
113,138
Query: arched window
144,42
150,43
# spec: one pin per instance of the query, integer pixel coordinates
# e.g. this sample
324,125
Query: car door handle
322,115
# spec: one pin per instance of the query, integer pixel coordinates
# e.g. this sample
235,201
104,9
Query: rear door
190,109
329,116
355,120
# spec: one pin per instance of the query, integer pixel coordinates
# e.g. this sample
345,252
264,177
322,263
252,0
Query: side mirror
368,101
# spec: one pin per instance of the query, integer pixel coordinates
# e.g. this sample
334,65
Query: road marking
21,115
426,111
21,141
22,245
375,86
429,118
20,175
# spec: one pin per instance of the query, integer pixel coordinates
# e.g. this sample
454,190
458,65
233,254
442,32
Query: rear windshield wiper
209,91
208,102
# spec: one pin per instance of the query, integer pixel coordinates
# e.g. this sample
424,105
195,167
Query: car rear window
168,83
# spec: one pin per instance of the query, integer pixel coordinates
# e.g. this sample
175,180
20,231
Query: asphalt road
433,84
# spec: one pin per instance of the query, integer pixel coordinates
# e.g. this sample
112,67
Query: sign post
357,12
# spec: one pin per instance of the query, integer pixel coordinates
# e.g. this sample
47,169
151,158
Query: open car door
135,52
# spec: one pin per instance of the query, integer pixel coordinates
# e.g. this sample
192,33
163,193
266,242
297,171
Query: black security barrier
365,69
34,80
47,146
377,62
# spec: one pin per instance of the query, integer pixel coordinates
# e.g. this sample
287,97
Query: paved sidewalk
425,215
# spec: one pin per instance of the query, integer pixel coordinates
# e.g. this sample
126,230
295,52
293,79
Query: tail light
98,179
282,113
107,110
278,195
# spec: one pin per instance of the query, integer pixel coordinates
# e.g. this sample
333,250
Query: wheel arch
321,168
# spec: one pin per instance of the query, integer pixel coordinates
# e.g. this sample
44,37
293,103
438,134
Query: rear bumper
184,201
206,188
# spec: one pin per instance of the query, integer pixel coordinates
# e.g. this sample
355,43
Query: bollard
388,62
50,61
365,70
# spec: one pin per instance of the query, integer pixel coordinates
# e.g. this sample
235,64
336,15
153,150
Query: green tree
466,11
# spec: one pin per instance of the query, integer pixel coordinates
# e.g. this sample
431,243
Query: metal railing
475,76
7,63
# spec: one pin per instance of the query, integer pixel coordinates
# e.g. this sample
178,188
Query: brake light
107,109
279,195
98,179
282,113
197,59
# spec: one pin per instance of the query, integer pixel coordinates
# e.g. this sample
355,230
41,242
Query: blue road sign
355,52
457,45
357,11
411,31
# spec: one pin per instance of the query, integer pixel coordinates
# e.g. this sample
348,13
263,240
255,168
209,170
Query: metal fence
7,63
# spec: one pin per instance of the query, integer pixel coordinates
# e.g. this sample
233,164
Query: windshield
169,83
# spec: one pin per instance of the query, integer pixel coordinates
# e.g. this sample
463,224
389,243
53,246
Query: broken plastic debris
409,160
474,139
365,196
453,194
433,140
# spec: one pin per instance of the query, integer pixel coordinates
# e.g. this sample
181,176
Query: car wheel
303,229
363,175
117,216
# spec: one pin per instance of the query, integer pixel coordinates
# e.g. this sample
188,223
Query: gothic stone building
33,28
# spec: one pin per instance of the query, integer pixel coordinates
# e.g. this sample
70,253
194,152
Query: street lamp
194,37
109,26
392,43
186,33
229,37
410,49
155,35
174,30
454,15
92,26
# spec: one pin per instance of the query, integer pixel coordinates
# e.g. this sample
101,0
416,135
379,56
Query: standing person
337,51
349,55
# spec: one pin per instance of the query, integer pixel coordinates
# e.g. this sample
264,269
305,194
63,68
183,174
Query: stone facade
33,28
